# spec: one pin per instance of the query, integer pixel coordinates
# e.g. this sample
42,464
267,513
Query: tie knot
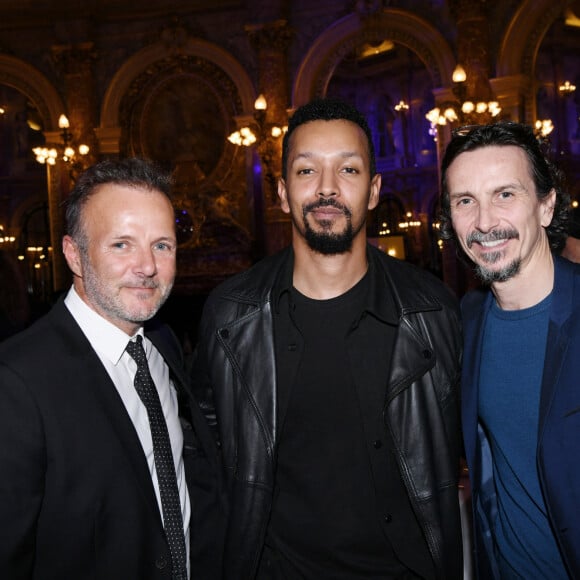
136,350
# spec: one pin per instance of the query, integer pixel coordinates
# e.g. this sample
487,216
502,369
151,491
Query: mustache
330,202
144,283
493,236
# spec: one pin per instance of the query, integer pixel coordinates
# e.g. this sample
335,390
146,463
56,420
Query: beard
486,274
325,241
106,299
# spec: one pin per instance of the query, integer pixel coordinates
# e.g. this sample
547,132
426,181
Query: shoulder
51,351
254,284
42,335
414,286
473,303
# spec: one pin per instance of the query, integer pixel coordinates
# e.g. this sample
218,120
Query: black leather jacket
234,375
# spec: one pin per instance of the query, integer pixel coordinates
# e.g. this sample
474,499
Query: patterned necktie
172,517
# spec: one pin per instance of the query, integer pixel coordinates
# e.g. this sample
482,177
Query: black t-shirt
325,520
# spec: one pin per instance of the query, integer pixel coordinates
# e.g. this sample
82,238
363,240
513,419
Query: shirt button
388,518
161,563
377,443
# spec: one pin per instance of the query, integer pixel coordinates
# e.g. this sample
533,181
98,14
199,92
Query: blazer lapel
95,378
557,344
474,310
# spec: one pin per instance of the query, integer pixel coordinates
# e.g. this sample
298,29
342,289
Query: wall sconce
5,238
401,107
64,150
464,110
543,128
248,135
566,88
409,223
264,135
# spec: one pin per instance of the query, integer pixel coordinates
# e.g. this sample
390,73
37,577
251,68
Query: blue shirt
514,347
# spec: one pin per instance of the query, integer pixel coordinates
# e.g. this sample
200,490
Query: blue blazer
558,451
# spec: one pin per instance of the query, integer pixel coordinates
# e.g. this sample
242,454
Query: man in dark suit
82,491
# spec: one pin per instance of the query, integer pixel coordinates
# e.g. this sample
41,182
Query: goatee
327,242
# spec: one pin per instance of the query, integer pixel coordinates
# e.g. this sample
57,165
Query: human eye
305,171
164,246
504,194
351,170
462,202
119,245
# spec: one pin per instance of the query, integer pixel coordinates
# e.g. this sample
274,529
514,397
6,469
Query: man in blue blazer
503,202
79,489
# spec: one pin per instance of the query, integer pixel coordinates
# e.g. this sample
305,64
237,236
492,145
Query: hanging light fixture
65,150
463,110
258,131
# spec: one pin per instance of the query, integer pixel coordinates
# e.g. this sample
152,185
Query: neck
321,276
529,287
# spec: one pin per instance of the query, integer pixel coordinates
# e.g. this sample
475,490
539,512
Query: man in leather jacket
330,374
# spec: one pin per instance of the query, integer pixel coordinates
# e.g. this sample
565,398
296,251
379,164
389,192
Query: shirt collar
379,303
105,337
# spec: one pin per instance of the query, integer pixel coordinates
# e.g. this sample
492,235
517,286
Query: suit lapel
95,378
557,344
474,316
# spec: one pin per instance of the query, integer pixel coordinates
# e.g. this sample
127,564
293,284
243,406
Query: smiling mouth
493,244
491,239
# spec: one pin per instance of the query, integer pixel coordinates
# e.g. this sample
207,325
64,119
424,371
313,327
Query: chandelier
64,150
463,110
566,88
260,130
265,136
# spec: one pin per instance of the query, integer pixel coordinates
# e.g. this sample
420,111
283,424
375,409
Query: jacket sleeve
23,460
198,369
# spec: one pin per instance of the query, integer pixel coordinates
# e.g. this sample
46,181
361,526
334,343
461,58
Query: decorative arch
517,54
109,131
343,36
519,47
31,82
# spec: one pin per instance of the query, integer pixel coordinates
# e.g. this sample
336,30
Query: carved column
473,49
57,182
75,67
271,42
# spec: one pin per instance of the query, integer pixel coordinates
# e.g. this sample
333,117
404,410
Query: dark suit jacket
76,496
558,428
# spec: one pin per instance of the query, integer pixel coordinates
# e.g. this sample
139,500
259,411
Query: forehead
327,136
111,201
487,165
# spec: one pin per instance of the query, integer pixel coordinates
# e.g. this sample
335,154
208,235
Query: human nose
145,263
327,186
486,218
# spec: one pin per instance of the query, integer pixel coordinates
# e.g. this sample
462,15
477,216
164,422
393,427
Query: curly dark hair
327,109
131,172
545,174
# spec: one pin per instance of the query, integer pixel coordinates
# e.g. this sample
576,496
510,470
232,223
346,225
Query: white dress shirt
109,342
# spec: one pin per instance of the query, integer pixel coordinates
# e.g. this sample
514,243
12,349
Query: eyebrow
311,154
511,185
